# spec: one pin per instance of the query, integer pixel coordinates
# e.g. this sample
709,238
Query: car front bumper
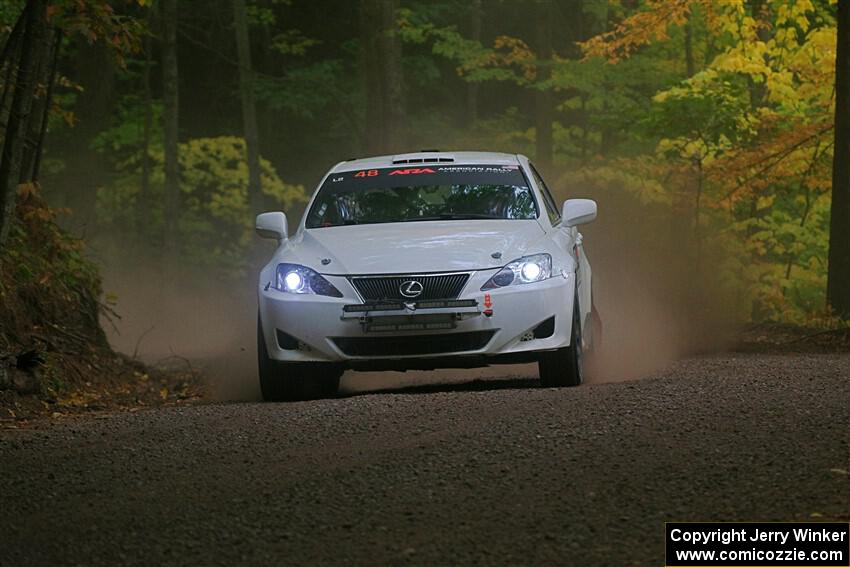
313,328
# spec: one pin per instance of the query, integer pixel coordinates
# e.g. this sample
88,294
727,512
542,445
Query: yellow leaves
751,63
752,130
215,221
79,399
215,170
782,88
512,51
811,66
764,203
684,148
509,59
794,14
639,29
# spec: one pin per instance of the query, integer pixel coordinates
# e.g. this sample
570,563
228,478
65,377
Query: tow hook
488,305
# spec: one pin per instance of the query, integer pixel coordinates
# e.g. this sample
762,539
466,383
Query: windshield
428,192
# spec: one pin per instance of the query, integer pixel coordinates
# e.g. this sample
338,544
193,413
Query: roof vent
423,157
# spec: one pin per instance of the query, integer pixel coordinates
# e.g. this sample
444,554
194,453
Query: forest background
704,129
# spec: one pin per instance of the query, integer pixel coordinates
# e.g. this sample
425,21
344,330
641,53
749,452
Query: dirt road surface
493,472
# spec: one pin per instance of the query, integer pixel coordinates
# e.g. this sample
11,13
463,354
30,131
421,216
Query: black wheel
563,367
286,382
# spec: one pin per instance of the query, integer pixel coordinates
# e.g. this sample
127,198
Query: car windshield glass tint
422,193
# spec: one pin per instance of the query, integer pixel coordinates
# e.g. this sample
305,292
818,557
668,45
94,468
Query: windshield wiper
455,216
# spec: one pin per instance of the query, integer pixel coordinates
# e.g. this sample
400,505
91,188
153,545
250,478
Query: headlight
528,269
292,278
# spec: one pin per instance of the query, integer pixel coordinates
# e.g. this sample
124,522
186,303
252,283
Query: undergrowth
49,290
54,355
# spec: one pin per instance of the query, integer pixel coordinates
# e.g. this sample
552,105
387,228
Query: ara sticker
488,305
412,171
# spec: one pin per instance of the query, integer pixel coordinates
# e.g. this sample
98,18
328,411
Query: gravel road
492,472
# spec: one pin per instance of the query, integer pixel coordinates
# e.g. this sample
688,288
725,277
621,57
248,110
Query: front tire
563,367
288,382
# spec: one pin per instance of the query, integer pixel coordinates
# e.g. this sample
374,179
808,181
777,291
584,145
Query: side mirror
578,211
272,225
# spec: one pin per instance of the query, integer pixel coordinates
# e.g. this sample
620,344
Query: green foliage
9,13
292,42
304,91
701,110
745,139
262,13
125,136
215,224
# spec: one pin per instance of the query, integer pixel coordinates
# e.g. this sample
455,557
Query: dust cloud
191,320
654,308
659,301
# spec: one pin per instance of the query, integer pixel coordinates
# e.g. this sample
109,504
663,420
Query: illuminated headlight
293,282
528,269
292,278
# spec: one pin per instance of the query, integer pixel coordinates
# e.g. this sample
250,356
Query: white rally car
420,261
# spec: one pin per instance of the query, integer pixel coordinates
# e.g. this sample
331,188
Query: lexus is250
420,261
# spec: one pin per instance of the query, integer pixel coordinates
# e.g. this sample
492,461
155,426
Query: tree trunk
48,100
8,80
19,116
373,130
145,203
690,67
249,106
170,117
543,107
838,282
472,88
392,79
40,108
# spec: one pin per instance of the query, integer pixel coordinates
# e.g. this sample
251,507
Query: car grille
414,345
386,288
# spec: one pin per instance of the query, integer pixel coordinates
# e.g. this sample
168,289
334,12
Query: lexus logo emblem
411,288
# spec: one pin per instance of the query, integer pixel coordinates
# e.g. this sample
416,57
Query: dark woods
165,125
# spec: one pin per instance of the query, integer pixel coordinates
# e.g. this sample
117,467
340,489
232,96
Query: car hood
411,247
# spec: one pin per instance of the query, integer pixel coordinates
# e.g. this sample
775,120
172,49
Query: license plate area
404,323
